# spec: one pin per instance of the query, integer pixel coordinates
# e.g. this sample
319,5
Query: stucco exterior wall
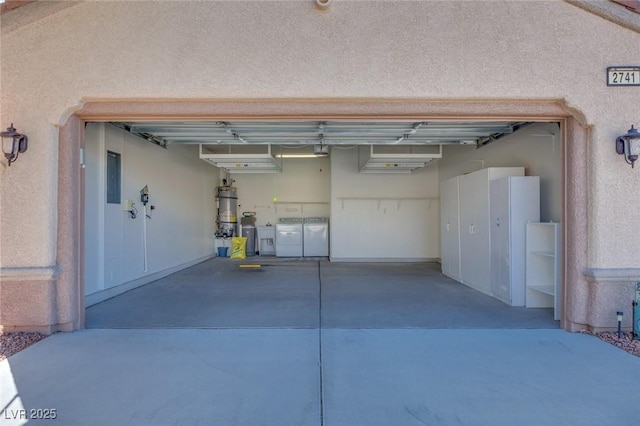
435,50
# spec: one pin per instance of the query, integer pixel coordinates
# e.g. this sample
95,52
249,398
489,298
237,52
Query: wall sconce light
629,145
13,143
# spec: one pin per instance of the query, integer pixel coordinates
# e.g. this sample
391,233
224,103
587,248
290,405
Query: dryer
316,237
289,237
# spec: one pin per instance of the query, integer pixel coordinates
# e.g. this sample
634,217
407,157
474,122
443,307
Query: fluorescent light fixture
296,156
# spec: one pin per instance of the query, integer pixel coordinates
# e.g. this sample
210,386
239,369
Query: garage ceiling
322,132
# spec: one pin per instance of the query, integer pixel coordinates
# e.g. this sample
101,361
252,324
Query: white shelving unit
543,266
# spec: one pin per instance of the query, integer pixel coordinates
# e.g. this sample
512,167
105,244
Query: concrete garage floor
290,293
413,349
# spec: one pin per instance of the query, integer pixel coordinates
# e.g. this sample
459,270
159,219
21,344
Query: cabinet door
482,239
500,241
450,228
475,226
473,229
524,207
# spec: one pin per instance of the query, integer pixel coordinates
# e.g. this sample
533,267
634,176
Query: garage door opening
382,186
71,206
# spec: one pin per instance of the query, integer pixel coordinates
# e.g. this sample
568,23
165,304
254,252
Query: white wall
399,222
303,180
538,148
180,230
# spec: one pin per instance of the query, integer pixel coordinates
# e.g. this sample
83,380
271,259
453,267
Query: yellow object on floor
238,248
251,265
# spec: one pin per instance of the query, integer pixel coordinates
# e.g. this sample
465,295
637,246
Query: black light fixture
13,143
629,145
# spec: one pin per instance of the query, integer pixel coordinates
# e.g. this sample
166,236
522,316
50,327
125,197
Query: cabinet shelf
543,266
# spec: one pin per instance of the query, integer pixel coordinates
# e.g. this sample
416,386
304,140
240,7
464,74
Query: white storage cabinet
475,234
450,228
514,201
543,273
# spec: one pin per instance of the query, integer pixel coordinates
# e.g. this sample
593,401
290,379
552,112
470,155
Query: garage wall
180,230
303,182
538,148
382,217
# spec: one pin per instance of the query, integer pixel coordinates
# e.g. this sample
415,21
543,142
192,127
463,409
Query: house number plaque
623,76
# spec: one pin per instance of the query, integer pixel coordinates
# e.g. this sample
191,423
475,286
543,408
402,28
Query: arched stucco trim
70,285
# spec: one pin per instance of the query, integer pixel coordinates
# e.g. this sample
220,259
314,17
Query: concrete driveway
390,374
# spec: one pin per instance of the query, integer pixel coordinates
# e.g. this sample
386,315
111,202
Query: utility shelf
399,200
543,274
298,203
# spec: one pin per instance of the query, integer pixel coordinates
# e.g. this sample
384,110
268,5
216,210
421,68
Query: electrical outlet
127,205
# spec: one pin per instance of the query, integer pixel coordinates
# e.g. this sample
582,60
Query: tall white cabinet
514,201
473,250
450,227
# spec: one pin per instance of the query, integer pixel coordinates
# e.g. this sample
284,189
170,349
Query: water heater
227,221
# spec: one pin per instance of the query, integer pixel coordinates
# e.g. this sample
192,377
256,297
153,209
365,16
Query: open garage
88,105
153,207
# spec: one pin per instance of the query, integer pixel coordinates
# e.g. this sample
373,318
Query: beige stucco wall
450,50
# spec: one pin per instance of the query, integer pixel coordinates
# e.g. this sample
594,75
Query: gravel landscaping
11,343
625,341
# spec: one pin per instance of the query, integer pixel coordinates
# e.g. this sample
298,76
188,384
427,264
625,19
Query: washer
316,237
289,237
